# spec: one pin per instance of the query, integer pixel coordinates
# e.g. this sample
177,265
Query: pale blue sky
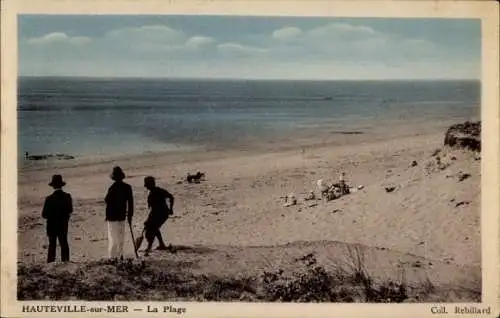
249,47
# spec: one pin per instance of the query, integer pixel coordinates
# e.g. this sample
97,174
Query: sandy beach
431,216
268,108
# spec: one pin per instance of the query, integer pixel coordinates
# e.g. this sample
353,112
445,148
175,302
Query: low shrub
139,280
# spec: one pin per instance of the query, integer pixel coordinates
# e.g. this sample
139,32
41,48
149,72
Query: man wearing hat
119,206
57,210
159,212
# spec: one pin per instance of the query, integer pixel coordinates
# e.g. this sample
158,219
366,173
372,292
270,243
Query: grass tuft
139,280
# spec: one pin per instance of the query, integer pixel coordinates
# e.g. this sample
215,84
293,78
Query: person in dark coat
57,210
119,207
159,213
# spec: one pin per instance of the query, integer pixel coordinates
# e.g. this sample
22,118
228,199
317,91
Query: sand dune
430,215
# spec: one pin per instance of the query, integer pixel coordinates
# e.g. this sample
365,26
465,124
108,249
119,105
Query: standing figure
119,206
159,213
57,211
344,189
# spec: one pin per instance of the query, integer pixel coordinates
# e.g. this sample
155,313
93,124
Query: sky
248,47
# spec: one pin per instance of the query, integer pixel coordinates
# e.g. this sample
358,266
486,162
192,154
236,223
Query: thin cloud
287,33
239,50
59,37
198,42
343,28
347,42
161,40
147,33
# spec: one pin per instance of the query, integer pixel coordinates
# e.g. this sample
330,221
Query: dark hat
149,181
117,174
57,181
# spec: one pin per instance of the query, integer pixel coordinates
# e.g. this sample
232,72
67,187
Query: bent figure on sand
159,213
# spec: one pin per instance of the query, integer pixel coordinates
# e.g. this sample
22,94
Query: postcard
250,159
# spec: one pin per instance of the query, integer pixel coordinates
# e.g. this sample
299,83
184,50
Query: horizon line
246,78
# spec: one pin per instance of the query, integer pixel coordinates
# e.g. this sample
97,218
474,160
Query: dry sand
430,216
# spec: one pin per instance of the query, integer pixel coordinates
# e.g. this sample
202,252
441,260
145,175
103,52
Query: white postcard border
487,11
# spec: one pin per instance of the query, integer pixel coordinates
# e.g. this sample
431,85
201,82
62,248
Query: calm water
115,116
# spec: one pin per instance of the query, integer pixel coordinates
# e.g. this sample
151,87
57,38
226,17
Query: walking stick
133,239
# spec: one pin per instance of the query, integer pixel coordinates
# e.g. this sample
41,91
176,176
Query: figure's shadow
174,249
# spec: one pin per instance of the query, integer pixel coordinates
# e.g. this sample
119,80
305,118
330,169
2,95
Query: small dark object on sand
349,132
417,264
462,203
63,157
436,152
463,176
195,178
389,189
305,257
308,259
413,163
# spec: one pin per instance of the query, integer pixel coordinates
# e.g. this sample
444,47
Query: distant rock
462,203
57,156
463,176
389,189
465,136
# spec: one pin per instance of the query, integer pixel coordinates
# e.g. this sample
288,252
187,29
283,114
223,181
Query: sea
85,117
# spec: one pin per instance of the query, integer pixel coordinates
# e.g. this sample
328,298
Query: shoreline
302,148
312,139
321,139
